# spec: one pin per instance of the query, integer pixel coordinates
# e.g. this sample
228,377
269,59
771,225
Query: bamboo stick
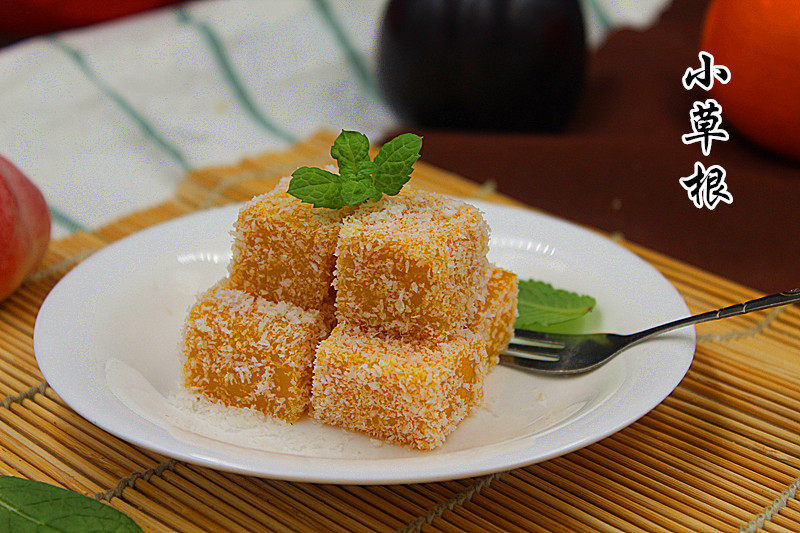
258,507
653,470
52,466
54,439
504,495
724,453
364,512
768,456
295,495
280,504
692,509
749,379
624,509
588,510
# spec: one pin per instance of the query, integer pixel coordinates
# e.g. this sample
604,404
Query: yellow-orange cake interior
245,351
408,392
412,264
284,249
496,320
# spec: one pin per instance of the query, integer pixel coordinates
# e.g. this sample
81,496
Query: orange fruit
759,41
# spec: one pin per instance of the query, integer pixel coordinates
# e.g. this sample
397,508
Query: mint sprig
359,179
540,304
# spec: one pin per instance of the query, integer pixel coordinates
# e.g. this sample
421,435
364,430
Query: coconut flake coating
410,392
245,351
283,249
413,264
495,321
422,316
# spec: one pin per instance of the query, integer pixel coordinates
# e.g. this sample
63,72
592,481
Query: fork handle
765,302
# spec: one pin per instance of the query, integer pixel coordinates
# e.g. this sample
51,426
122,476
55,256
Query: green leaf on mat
539,304
27,505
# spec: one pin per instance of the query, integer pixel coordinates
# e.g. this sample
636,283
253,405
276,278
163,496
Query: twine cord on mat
459,499
779,503
130,480
25,395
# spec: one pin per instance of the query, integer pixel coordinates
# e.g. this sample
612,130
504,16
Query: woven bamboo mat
720,453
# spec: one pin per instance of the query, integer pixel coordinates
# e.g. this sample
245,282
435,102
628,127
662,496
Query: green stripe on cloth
224,64
356,61
148,129
600,13
65,221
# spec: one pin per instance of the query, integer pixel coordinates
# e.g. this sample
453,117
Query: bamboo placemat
720,453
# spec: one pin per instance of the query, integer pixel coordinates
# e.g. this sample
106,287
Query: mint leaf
349,149
395,160
359,179
27,505
317,186
363,171
357,187
356,192
539,304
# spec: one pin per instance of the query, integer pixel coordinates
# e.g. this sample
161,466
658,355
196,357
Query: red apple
24,227
23,18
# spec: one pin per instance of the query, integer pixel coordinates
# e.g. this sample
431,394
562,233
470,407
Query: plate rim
338,470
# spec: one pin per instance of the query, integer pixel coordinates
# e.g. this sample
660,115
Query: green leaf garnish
539,304
317,186
349,149
359,178
27,505
355,192
394,160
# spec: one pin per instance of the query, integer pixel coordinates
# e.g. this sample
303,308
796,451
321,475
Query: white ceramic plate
107,340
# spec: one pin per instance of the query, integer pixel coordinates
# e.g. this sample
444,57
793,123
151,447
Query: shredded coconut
418,317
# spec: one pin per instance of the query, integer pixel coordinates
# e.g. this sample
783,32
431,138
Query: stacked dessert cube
384,318
254,335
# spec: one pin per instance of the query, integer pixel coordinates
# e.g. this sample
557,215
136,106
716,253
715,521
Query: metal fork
561,353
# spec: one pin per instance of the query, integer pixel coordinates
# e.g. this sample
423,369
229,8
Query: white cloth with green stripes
106,120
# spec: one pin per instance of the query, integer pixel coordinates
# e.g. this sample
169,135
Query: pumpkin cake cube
496,320
408,392
412,264
245,351
283,249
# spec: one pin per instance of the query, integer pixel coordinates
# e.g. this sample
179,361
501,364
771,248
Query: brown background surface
616,167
